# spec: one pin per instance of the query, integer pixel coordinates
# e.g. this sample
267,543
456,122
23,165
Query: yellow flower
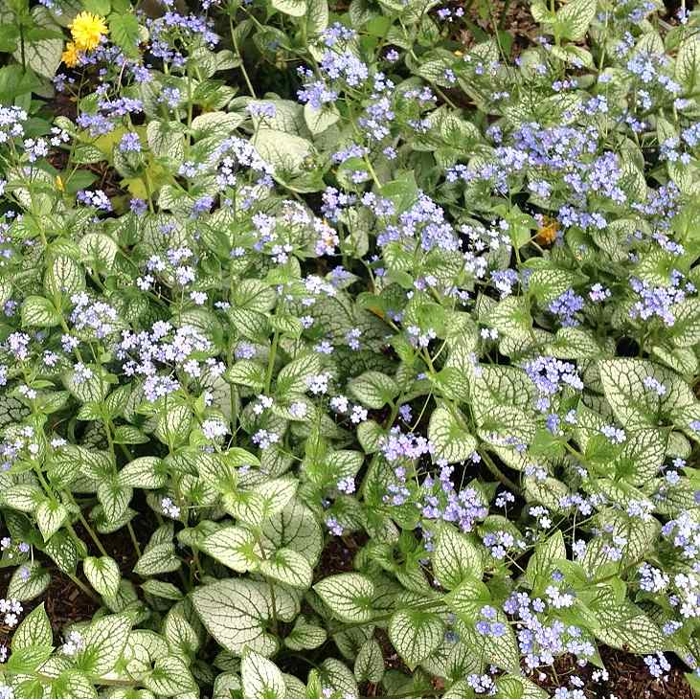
70,55
87,30
548,233
59,184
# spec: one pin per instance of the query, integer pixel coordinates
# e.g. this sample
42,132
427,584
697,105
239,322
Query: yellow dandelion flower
87,30
70,55
548,233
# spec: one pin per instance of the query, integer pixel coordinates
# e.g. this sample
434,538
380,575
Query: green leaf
254,295
349,596
22,497
91,390
317,17
114,498
416,634
543,562
166,139
373,389
43,56
34,630
501,651
286,153
124,32
9,35
318,120
294,527
247,373
246,506
216,124
575,17
86,153
641,456
261,678
170,678
293,378
369,663
104,640
574,343
685,332
289,567
305,636
99,248
505,425
497,385
234,547
370,435
28,659
511,317
174,424
636,635
103,575
28,581
468,599
688,63
235,612
634,406
50,516
295,8
181,636
227,685
40,312
275,494
144,473
250,324
455,558
158,559
64,551
548,283
448,435
98,7
510,686
338,677
64,277
161,589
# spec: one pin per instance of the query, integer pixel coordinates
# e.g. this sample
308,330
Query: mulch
628,677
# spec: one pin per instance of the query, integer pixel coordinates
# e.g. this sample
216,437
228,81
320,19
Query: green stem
499,474
134,541
240,55
85,589
271,362
92,533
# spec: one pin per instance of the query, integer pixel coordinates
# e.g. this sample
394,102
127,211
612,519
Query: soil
339,553
628,677
65,603
483,16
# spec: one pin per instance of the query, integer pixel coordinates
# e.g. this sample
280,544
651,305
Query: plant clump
341,359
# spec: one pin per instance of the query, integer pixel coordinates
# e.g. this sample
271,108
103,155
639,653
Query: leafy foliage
326,337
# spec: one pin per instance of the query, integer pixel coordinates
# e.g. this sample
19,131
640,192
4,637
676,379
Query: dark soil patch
511,17
65,603
63,105
338,554
628,677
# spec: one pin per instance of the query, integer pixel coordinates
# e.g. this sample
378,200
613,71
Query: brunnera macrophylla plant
358,337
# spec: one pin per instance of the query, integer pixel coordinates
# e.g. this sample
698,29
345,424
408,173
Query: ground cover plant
348,350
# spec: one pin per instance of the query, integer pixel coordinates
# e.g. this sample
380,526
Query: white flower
74,643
